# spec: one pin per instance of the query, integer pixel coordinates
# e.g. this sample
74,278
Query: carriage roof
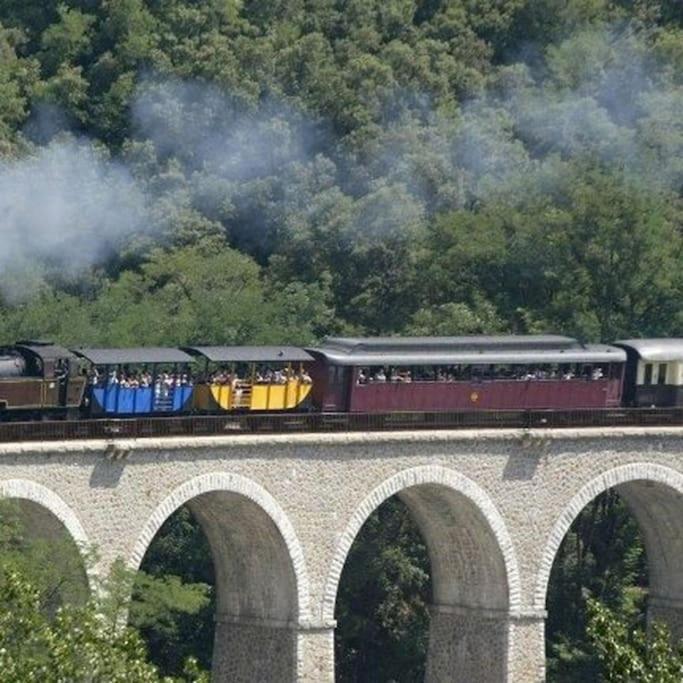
148,355
250,354
472,350
655,349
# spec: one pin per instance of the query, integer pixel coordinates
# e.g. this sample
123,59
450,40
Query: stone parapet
528,438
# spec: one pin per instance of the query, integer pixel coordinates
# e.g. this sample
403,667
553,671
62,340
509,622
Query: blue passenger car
138,381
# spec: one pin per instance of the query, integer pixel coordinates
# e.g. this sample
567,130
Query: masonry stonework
466,644
281,512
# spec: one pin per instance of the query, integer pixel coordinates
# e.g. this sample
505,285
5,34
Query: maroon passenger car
451,374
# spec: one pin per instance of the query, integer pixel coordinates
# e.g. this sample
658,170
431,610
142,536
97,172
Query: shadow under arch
654,495
45,516
475,574
262,586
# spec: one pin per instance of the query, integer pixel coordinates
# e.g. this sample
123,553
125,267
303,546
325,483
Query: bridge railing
212,425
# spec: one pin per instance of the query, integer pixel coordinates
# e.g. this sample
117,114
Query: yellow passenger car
251,378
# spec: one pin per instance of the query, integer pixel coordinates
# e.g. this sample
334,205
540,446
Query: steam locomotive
41,380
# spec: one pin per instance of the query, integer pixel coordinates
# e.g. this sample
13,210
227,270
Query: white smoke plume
601,95
208,129
68,205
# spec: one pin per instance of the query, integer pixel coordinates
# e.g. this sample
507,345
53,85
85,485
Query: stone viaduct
281,512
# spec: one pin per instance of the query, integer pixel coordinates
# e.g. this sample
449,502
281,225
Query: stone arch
262,585
419,476
654,494
232,483
52,514
24,489
475,574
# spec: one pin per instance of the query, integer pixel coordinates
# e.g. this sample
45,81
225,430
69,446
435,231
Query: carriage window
377,374
599,371
479,372
501,372
420,374
647,376
661,377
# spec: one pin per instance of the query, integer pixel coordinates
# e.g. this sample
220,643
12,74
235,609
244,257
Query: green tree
188,295
18,75
601,558
66,39
76,645
630,654
52,629
384,591
590,255
178,558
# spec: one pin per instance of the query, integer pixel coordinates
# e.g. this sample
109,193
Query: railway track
284,423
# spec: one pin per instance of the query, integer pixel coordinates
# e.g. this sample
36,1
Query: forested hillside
250,171
397,166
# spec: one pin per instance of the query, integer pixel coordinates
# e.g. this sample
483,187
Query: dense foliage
54,629
629,653
221,170
384,593
242,171
174,598
601,558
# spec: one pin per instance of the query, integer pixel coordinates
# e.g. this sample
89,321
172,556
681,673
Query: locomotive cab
39,376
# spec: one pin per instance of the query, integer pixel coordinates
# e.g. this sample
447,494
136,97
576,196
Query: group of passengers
261,376
459,374
167,380
141,380
224,377
395,375
270,376
539,373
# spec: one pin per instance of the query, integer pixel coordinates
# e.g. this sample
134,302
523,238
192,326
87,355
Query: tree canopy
377,167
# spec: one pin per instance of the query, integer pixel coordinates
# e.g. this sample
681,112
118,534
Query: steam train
41,380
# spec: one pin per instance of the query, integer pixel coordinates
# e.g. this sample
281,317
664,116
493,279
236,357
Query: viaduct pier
281,512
